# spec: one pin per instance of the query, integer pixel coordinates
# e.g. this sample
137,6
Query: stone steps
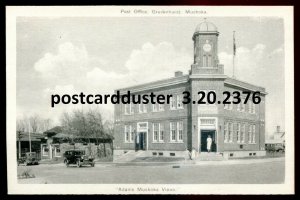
129,156
209,157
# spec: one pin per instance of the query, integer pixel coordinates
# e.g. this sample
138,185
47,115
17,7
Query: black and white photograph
150,100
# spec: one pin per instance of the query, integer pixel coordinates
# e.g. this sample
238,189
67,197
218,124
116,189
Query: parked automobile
29,159
78,157
276,147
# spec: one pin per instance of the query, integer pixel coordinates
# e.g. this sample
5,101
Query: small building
57,142
23,143
277,140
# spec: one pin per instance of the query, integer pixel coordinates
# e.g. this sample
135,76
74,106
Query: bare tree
45,124
34,122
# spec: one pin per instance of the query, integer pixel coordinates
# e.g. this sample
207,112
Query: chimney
178,73
277,129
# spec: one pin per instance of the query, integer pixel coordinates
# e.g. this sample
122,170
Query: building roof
185,78
206,26
24,136
58,132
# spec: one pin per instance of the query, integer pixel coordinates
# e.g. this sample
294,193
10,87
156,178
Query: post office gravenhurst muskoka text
237,130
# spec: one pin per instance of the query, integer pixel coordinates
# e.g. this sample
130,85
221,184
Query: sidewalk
193,162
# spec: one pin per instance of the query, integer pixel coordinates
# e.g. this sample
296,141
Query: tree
21,126
34,122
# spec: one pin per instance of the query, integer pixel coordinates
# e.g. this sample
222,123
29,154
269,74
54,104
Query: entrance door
140,141
204,135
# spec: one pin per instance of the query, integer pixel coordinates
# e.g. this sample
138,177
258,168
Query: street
106,173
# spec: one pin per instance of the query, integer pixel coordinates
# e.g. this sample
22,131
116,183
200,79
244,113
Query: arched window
209,61
204,61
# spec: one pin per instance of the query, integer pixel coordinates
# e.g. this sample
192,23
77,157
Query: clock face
207,47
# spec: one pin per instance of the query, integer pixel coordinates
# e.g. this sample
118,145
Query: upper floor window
142,108
127,109
155,107
161,107
173,103
179,101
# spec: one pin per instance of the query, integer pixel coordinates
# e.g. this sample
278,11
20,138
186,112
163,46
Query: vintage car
276,147
78,157
30,158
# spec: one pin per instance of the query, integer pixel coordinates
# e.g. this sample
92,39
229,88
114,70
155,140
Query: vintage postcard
150,100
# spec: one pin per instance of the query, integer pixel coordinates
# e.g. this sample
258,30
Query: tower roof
205,27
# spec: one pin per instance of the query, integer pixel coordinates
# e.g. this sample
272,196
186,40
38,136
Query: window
145,108
253,133
253,108
250,133
141,108
161,130
131,134
179,101
231,105
204,61
226,132
243,133
155,107
230,131
250,106
131,108
127,131
155,132
161,107
209,61
238,107
238,132
243,105
173,103
180,131
173,131
127,109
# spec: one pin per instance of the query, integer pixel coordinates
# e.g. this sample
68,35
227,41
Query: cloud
149,63
160,61
68,58
248,62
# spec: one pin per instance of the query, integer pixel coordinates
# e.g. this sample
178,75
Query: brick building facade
236,129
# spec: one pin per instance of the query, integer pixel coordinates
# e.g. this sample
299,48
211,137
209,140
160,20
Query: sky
98,55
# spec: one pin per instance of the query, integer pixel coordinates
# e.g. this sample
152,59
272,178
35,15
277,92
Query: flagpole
233,56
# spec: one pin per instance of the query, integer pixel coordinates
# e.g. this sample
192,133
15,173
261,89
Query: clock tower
206,50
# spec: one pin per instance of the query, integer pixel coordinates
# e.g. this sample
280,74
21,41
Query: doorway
140,141
204,135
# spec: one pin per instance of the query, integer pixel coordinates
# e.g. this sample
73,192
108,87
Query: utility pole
29,138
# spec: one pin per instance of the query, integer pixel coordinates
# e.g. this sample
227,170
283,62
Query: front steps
128,156
205,156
